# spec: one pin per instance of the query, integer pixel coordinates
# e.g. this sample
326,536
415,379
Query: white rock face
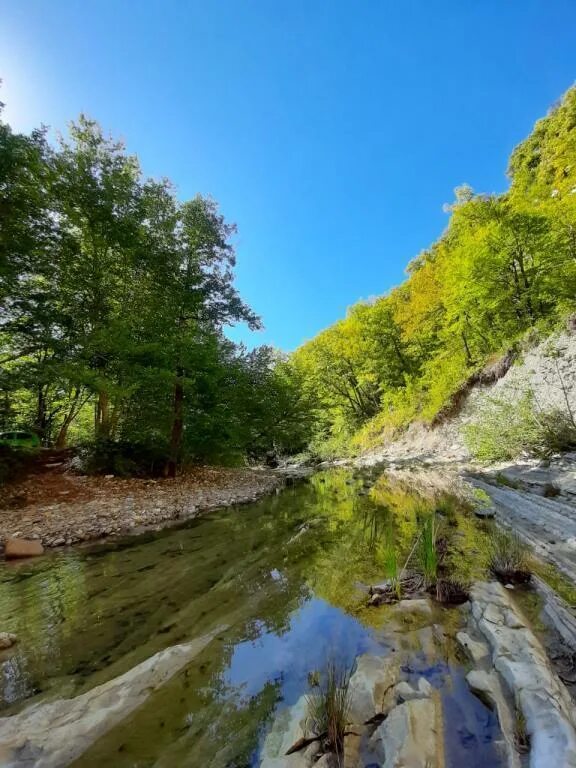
521,661
55,733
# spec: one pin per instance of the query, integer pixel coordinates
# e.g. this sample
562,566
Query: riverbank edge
133,507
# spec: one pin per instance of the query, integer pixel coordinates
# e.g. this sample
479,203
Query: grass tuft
509,558
329,707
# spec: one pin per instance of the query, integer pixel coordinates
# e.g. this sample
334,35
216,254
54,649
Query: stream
286,576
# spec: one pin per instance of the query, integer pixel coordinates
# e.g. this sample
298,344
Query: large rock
521,661
289,726
371,686
54,734
15,548
408,738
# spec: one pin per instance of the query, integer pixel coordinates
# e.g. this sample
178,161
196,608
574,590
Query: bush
123,458
12,462
505,430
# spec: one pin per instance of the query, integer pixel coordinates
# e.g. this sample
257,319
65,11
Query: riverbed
285,581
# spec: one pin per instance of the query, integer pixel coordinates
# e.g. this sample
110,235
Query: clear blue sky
330,131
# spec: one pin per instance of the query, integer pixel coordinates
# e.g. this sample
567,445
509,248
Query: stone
16,548
288,727
7,640
407,692
371,686
55,733
489,688
485,512
420,605
475,649
408,736
521,661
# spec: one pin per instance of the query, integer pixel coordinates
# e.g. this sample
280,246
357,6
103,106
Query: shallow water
284,574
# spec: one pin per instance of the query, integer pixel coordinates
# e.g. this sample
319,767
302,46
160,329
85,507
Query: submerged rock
288,728
54,734
7,640
15,548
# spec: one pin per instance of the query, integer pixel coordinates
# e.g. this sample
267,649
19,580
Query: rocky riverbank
61,508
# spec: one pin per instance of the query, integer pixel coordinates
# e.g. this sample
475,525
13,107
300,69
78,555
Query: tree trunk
102,420
177,424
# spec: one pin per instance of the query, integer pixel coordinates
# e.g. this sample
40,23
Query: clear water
284,574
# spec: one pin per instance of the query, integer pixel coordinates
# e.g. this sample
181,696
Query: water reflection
283,574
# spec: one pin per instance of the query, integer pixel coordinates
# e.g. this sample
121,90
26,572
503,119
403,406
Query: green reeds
329,707
427,552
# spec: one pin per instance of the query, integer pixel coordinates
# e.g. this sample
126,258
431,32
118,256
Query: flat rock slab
521,661
54,734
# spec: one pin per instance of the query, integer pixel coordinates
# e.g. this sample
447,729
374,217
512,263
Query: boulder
15,548
289,727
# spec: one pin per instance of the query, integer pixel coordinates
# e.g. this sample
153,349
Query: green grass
427,553
508,557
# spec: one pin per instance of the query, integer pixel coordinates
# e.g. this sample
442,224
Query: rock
421,605
485,512
7,640
371,686
288,727
489,688
521,661
328,760
15,548
407,692
408,736
476,650
55,733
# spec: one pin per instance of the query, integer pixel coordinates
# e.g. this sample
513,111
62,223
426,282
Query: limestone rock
53,734
475,649
370,686
288,727
408,737
521,661
15,548
407,692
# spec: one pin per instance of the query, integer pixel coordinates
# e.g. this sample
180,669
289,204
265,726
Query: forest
504,268
116,296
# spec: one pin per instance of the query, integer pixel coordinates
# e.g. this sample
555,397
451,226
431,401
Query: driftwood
410,585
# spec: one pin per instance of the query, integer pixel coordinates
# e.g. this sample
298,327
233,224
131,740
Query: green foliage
427,553
504,268
508,557
504,430
329,706
116,297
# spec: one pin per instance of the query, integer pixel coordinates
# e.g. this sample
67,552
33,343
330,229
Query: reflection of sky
470,727
316,633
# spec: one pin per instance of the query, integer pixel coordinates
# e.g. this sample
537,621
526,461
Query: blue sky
331,132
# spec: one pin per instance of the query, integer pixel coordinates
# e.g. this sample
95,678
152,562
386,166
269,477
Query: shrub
123,458
505,430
